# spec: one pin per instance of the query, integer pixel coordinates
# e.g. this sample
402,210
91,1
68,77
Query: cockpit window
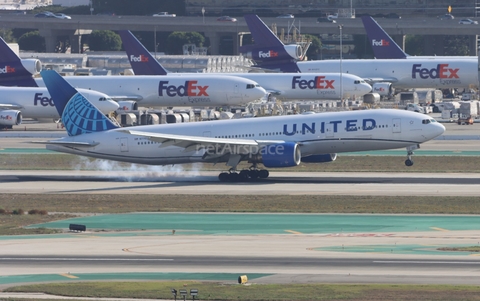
426,121
250,86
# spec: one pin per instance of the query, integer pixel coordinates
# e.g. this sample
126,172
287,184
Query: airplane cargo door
124,144
396,125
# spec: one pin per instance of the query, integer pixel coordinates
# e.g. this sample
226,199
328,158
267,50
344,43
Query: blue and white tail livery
79,116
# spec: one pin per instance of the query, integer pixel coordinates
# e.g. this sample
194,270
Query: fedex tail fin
15,71
384,47
268,51
79,116
142,62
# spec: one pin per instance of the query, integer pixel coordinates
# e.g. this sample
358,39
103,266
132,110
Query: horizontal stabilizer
66,143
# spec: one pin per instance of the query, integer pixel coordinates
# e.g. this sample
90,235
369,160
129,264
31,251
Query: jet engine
384,89
295,51
279,155
319,158
32,65
127,105
10,117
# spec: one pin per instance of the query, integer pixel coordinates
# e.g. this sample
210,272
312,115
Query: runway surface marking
69,276
439,229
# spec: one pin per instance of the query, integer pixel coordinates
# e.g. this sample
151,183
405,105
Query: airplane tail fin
268,51
13,72
79,116
384,47
141,60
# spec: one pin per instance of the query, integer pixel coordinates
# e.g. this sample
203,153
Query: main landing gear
251,174
410,149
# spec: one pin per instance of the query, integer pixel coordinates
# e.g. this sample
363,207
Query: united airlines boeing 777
279,141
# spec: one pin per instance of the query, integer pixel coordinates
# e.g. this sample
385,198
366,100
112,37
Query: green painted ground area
25,150
245,224
126,276
398,249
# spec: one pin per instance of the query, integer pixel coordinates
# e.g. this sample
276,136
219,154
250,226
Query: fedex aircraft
279,141
211,90
283,86
384,47
383,74
15,71
24,102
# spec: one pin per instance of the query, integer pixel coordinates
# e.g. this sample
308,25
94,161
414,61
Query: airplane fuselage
316,134
411,73
172,90
37,103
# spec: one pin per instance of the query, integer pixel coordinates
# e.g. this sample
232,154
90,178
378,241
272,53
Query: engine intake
295,51
10,117
384,89
32,65
127,105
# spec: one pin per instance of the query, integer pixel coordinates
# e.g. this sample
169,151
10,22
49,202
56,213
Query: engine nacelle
33,66
319,158
384,89
10,117
280,155
127,105
295,51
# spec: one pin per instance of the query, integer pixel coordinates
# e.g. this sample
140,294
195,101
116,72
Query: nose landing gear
410,149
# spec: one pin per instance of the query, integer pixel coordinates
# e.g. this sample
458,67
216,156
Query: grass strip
225,291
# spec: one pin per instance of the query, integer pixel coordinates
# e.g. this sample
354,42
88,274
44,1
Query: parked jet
209,90
382,74
24,102
279,141
384,47
282,86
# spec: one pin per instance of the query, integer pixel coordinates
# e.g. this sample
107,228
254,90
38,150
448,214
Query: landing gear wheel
224,176
409,162
263,174
253,174
243,175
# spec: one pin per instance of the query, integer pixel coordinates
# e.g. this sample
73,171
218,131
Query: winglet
384,47
141,60
79,116
13,73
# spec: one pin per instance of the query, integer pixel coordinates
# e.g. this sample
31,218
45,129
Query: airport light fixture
341,57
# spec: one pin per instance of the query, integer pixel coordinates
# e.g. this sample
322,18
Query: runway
279,183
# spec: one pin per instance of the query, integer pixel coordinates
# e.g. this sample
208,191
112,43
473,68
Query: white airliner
22,102
383,74
280,141
160,91
311,86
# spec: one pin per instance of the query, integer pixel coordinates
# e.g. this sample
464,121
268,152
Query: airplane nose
111,105
440,128
367,88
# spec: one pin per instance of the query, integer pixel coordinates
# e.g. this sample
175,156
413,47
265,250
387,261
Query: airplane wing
274,92
191,143
66,143
7,106
126,97
381,80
